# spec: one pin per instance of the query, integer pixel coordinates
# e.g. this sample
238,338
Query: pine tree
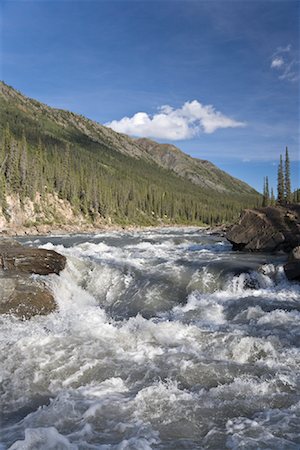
12,167
280,183
287,179
266,193
107,184
3,203
40,168
23,168
272,199
66,180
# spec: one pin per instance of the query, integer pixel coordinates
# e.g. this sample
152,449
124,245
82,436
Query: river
164,339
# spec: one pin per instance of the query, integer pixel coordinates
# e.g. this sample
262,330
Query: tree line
285,195
102,183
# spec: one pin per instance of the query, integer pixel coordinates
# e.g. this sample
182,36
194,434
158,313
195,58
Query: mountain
73,127
104,176
198,171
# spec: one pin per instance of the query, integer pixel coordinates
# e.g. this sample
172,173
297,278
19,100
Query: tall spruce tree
266,192
280,183
287,178
23,168
272,199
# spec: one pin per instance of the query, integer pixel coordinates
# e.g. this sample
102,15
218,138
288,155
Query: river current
163,339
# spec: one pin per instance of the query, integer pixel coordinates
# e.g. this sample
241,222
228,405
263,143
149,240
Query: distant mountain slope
68,125
105,175
198,171
64,124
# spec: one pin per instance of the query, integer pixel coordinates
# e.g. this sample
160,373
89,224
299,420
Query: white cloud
287,66
277,62
175,124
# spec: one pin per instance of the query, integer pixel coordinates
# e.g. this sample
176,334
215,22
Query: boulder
20,294
30,260
24,297
267,229
292,267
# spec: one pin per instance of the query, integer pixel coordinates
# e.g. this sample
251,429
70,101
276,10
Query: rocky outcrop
20,294
41,215
31,260
292,267
267,229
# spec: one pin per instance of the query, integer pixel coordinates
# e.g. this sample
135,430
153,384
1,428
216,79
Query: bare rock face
267,229
292,267
20,294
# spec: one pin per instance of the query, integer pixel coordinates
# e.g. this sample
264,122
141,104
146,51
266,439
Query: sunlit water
164,339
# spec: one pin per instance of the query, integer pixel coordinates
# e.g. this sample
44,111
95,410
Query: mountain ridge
194,169
172,157
107,176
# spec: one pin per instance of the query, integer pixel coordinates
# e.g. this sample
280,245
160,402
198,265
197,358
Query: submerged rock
267,229
292,267
20,294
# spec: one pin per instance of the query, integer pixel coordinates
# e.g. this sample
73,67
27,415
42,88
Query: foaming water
163,339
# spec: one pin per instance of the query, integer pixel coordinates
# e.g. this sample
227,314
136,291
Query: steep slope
67,125
198,171
104,175
61,123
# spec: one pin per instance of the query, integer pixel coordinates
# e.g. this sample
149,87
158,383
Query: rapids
164,339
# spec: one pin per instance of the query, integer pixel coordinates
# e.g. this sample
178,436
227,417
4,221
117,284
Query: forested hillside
105,176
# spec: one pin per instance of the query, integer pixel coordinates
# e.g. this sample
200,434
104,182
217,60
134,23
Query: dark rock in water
31,260
19,293
8,243
267,229
292,267
24,297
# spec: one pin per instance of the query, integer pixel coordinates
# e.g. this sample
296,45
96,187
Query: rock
267,229
24,297
20,294
8,243
31,260
292,267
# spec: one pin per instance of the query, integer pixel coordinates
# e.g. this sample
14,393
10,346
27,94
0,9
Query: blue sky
228,71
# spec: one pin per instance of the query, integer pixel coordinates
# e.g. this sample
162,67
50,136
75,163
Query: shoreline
44,230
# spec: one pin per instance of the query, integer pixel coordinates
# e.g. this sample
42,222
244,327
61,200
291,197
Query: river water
164,339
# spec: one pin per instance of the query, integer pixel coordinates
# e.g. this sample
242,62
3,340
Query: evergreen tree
23,168
108,185
266,193
272,199
287,178
280,183
3,203
12,167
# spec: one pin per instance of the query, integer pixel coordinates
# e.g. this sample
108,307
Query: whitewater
163,339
